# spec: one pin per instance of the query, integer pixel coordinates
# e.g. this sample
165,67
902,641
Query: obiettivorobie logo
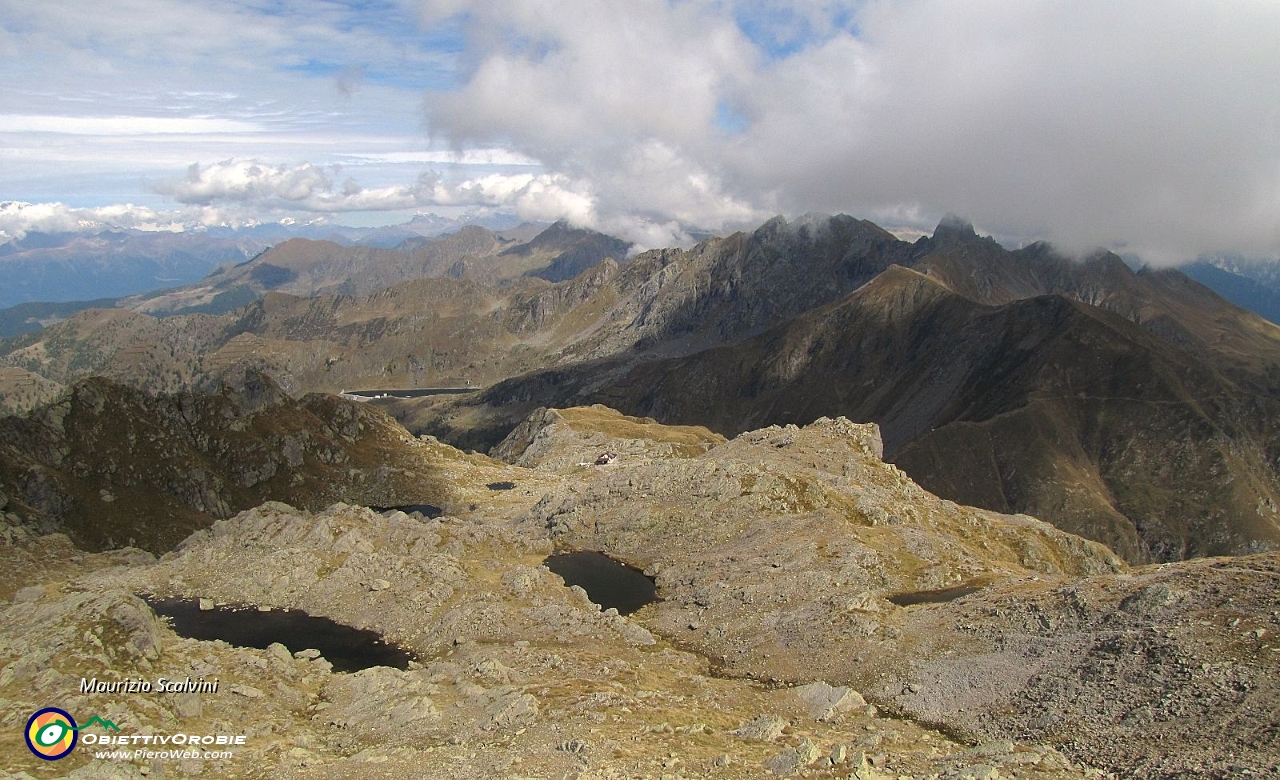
52,733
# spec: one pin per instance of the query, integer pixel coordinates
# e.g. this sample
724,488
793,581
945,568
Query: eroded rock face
782,544
1108,665
775,555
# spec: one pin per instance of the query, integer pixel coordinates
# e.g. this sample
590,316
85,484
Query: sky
1147,127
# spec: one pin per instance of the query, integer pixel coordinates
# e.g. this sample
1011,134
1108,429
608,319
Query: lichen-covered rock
765,728
791,760
823,702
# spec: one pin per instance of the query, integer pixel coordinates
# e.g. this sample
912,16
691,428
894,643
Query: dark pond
501,485
607,582
428,511
348,649
933,596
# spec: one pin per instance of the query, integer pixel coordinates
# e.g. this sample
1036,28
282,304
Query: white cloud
1087,122
240,35
620,97
247,181
490,156
99,99
1120,122
1117,123
18,218
311,188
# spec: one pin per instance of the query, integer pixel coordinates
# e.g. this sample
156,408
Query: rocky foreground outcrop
780,646
784,555
518,676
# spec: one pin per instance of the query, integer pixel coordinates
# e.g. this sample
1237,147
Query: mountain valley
1137,409
935,509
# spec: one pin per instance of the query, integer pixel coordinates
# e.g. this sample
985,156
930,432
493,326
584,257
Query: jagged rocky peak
253,390
557,229
1097,260
1104,261
772,227
473,233
952,227
811,222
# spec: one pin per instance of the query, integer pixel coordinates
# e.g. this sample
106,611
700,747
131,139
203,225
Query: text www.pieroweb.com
154,755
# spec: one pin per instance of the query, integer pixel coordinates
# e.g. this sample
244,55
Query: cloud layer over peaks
1152,127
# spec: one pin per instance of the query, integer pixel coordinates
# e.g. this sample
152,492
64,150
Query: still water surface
607,582
348,649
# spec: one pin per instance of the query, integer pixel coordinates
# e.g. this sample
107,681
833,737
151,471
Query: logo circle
51,733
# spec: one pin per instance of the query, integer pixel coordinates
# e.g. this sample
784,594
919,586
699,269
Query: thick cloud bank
18,218
1152,127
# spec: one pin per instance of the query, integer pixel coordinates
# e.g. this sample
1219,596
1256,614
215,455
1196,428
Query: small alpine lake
940,596
607,582
348,649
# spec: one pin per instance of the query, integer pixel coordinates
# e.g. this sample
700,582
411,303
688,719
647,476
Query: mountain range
1253,284
63,267
837,414
1135,408
88,266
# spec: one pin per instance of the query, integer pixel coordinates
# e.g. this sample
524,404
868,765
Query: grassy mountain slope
112,466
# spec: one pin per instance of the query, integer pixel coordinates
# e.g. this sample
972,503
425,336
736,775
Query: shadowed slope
1043,405
111,466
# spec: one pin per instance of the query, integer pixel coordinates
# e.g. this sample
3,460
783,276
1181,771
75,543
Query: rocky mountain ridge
96,260
1022,387
306,267
1136,408
826,596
